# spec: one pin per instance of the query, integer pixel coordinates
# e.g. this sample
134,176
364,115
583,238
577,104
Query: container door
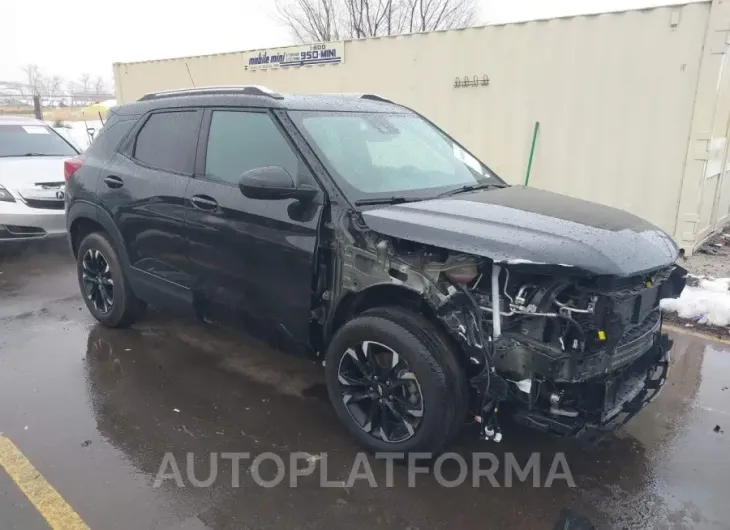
715,197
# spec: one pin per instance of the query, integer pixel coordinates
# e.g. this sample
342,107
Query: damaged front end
566,351
553,301
571,353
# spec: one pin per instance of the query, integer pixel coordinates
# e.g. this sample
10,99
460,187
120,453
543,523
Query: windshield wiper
383,200
37,154
400,199
468,187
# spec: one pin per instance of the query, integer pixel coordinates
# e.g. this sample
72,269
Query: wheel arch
387,295
379,295
84,218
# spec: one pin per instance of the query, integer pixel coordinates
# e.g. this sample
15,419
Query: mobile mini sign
295,56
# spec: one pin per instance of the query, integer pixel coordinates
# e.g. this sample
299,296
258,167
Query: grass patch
49,114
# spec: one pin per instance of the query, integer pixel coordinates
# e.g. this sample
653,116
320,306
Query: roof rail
249,90
375,97
359,95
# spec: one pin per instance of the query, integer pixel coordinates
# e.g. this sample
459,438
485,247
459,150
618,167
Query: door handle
204,202
114,182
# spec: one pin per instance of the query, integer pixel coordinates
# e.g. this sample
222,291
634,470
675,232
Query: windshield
375,155
32,140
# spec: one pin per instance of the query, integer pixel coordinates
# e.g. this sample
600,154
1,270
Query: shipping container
630,109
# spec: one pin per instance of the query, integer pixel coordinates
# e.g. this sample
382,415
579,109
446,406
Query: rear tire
423,354
103,284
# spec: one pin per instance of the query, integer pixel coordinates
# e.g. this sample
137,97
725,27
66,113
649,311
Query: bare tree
53,86
85,82
99,85
34,79
327,20
430,15
72,89
311,20
368,18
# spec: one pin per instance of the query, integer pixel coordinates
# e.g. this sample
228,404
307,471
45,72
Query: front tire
103,285
394,382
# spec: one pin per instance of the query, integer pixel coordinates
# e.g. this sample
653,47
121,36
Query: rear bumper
640,384
19,222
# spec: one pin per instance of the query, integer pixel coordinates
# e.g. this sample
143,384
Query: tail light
70,167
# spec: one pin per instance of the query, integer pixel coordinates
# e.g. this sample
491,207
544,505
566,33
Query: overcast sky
75,36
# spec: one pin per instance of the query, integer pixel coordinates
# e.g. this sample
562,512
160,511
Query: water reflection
152,393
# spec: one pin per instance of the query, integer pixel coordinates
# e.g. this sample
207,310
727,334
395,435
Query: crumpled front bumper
630,397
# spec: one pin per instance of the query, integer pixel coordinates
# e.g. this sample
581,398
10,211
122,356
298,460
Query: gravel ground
710,261
717,332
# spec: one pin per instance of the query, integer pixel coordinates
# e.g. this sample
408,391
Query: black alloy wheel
103,283
380,391
97,280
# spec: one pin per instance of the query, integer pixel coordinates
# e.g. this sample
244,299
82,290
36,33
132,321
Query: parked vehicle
351,229
31,187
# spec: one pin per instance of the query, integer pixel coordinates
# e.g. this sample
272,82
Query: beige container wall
705,194
614,94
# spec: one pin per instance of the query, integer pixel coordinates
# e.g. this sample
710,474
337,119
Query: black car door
253,258
143,188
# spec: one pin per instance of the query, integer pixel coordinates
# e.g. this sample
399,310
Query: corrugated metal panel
703,206
614,94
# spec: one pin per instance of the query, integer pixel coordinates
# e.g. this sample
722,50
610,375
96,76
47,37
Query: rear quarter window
111,135
167,141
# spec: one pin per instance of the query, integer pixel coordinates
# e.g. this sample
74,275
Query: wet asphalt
96,410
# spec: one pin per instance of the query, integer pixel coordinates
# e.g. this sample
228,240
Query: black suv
353,230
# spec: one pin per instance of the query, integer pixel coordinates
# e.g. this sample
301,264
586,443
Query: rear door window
168,140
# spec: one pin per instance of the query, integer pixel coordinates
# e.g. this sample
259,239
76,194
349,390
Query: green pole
532,151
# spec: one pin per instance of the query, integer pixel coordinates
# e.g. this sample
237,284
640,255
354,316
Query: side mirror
273,183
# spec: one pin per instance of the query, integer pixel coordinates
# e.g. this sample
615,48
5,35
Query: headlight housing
5,195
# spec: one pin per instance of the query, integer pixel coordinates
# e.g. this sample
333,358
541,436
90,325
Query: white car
32,186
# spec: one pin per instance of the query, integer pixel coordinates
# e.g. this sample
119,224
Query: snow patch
708,303
719,285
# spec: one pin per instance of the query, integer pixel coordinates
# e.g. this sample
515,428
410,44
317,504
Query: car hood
24,172
520,225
